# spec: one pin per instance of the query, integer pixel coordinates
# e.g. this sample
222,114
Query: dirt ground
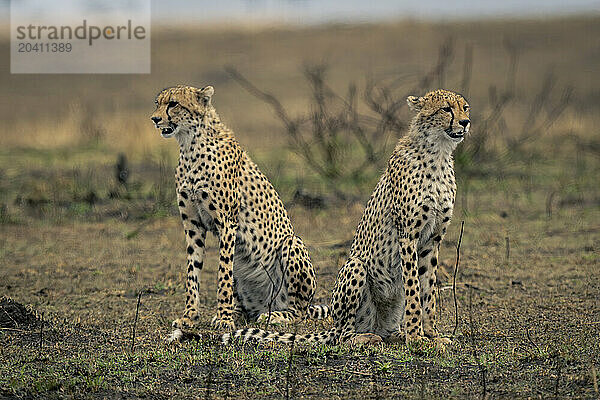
528,327
76,248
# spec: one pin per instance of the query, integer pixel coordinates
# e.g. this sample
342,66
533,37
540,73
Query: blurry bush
343,145
333,138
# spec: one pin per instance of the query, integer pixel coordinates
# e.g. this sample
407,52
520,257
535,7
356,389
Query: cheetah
264,268
385,290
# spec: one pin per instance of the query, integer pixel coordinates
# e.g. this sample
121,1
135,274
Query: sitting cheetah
386,288
263,265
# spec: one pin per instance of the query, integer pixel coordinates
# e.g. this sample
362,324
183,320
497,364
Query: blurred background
315,92
529,69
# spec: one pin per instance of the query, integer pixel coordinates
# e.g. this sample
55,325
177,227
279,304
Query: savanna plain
92,251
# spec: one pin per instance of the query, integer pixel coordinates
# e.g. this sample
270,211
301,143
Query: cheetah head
179,108
442,113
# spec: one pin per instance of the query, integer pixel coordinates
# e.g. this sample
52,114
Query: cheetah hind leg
238,311
301,284
348,293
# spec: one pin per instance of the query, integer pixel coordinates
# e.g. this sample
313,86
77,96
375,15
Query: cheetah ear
415,103
205,95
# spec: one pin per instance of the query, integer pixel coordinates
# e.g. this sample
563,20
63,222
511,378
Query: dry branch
462,227
137,310
327,135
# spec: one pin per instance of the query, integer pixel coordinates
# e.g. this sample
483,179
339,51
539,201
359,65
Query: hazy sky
317,11
314,11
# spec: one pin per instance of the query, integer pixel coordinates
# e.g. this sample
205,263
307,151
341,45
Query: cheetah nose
156,120
464,122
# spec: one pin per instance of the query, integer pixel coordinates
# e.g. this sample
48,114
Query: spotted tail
247,334
318,312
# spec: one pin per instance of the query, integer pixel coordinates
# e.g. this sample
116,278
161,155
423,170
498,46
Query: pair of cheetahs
385,291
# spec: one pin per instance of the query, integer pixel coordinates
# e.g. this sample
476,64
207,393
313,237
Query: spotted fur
263,265
385,290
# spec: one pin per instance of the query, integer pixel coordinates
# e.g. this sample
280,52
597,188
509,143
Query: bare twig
466,285
462,227
289,368
513,55
15,323
469,286
344,370
507,253
273,294
380,101
467,69
266,97
209,376
549,200
41,334
558,375
534,125
14,330
445,55
333,127
531,340
473,330
137,310
594,378
292,125
499,99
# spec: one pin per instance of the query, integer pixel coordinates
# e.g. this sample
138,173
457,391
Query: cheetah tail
247,334
318,312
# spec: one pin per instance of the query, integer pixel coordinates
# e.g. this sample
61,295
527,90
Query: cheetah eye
447,109
172,104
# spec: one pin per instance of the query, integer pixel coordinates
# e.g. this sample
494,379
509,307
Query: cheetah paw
273,318
223,323
396,337
183,324
175,336
417,342
441,343
365,338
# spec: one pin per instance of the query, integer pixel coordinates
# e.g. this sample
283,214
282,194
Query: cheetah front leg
301,283
413,326
195,237
428,261
428,265
225,310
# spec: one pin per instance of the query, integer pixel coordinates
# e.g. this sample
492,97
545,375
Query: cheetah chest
438,204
